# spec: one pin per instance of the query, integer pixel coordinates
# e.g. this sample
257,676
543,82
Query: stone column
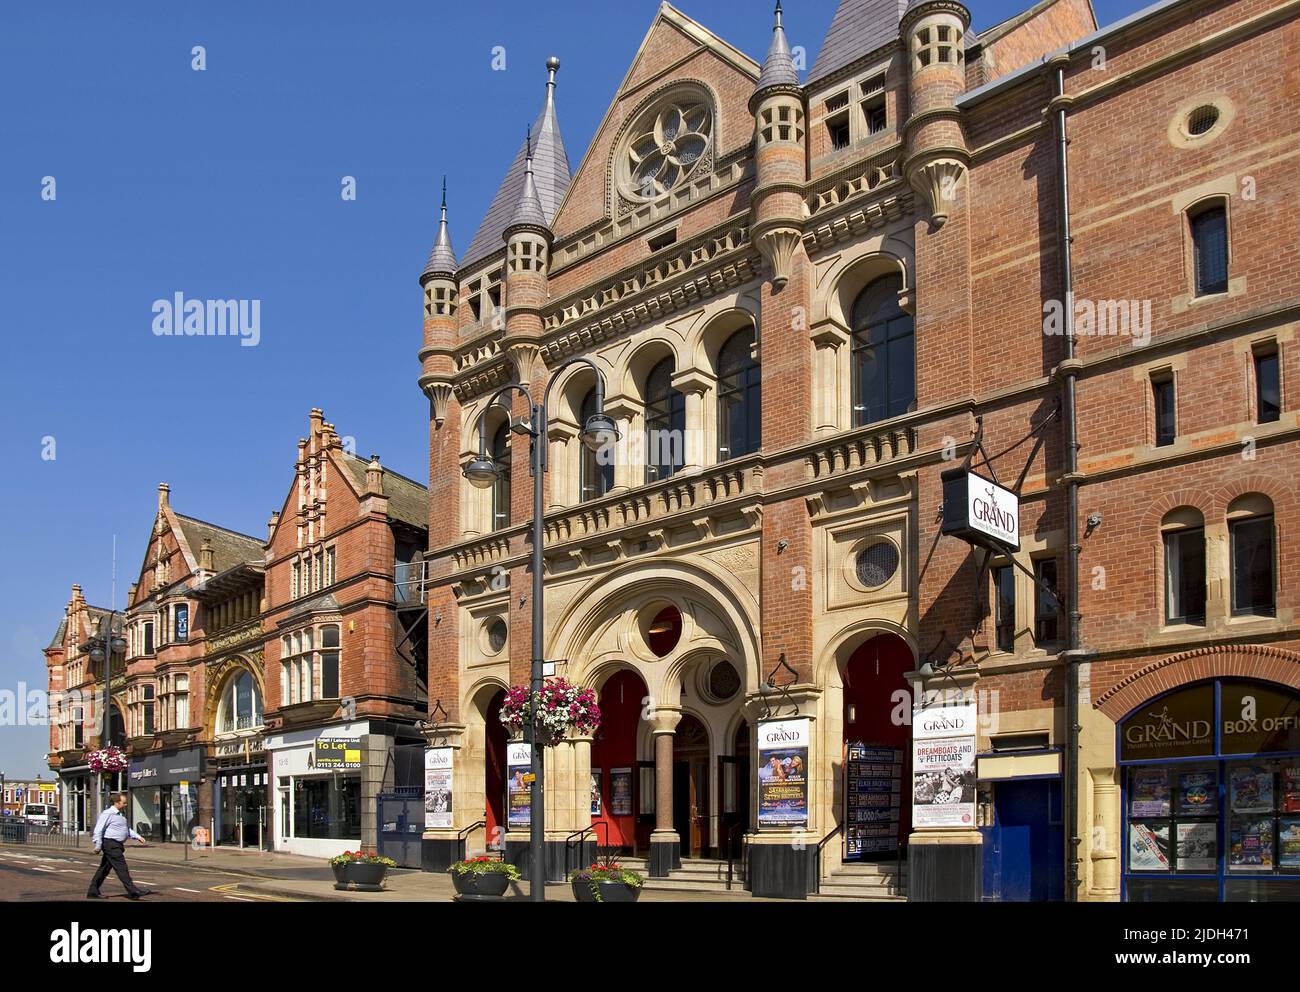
832,389
564,469
629,465
1103,846
697,386
665,844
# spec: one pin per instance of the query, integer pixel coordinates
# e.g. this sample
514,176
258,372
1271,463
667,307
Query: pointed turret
528,212
550,178
778,68
779,159
440,304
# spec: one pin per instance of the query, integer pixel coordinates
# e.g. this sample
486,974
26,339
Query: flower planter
487,886
609,891
360,877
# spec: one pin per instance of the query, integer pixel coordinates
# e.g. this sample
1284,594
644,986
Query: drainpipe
1069,370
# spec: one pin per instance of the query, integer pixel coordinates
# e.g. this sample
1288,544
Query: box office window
327,808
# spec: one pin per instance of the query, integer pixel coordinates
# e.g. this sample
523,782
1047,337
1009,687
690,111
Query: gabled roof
550,172
408,501
229,547
57,640
858,28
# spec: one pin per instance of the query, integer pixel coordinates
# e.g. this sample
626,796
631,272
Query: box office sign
1253,719
943,766
437,787
519,795
338,753
980,511
783,773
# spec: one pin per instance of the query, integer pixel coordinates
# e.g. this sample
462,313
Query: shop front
1210,791
164,792
321,776
80,798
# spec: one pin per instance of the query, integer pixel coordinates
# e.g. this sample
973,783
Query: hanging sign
980,511
783,773
437,788
519,763
943,766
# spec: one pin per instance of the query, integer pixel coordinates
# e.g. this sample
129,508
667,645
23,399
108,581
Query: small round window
496,633
1202,120
876,564
724,680
665,631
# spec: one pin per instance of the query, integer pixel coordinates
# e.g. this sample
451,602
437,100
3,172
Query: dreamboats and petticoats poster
437,787
943,765
783,773
519,762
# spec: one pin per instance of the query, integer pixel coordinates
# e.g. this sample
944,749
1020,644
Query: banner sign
338,753
980,511
783,773
519,762
437,787
943,766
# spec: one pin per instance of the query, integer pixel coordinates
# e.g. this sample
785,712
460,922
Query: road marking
250,897
39,868
237,899
181,888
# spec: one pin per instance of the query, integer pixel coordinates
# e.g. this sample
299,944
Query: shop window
1183,535
1209,227
1165,405
665,423
1268,385
500,454
1047,611
1004,591
596,470
884,354
327,808
739,397
1252,546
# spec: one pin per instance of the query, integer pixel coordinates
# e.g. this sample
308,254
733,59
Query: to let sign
980,511
340,753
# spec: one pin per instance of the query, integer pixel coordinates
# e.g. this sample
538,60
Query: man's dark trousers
113,859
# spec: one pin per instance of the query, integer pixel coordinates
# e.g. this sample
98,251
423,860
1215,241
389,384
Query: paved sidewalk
292,876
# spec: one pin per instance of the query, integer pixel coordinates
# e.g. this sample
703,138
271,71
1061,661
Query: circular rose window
666,145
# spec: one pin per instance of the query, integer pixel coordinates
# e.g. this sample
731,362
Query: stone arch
475,701
593,631
1156,511
1265,664
220,676
1275,489
849,276
705,343
830,665
629,380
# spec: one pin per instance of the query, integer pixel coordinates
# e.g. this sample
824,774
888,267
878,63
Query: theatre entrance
691,787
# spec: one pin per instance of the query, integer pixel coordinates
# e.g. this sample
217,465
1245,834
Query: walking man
111,833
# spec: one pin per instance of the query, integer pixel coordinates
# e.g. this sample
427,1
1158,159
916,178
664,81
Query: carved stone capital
439,392
524,355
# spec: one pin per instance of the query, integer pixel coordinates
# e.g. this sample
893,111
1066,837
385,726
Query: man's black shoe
138,893
93,895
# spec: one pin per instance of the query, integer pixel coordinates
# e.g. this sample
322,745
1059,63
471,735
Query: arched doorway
494,770
614,765
733,793
691,786
877,755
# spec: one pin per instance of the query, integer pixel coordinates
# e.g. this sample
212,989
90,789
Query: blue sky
225,183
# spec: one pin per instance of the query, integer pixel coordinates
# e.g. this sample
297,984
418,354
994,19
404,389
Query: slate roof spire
550,177
528,212
442,259
778,67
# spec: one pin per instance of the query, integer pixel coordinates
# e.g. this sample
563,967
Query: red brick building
809,296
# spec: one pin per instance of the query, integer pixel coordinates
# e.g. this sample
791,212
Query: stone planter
486,886
360,877
609,891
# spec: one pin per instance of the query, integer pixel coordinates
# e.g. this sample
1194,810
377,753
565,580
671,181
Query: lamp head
600,432
481,473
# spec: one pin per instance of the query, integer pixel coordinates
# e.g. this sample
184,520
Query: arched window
1210,247
739,397
596,474
1254,558
241,705
500,454
884,354
665,423
1183,534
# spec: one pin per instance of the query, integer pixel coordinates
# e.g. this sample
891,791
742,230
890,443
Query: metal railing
736,851
579,835
20,832
817,860
463,835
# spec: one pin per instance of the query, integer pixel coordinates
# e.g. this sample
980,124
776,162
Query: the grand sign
1253,718
980,511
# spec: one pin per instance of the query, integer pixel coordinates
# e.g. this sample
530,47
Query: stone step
873,897
674,883
892,869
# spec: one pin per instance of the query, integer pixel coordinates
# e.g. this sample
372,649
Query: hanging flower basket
108,759
562,709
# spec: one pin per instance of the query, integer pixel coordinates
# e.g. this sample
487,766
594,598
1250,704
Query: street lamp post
102,647
598,434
